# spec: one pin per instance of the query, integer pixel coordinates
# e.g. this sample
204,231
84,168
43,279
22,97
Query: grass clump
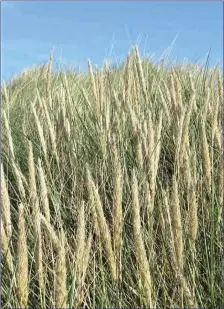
112,187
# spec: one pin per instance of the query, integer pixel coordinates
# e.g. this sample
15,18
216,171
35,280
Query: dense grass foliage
112,187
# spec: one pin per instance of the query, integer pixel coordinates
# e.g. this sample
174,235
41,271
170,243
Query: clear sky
107,29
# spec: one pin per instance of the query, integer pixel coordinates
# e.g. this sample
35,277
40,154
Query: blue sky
99,30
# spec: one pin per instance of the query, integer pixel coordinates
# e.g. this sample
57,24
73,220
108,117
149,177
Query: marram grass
112,187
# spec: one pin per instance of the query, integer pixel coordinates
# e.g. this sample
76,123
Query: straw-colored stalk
6,212
22,268
140,251
177,224
43,191
5,248
103,227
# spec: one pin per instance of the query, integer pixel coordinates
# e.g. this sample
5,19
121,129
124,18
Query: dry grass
112,187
